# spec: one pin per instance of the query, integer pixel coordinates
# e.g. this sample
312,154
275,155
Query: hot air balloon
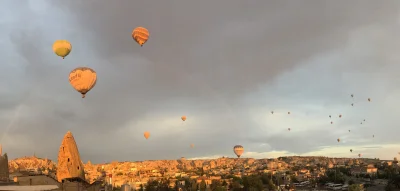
140,35
146,135
338,140
183,118
352,95
191,145
288,112
361,123
340,116
359,155
369,99
364,120
331,122
349,130
62,48
351,150
272,112
352,104
373,136
238,150
288,129
330,116
83,79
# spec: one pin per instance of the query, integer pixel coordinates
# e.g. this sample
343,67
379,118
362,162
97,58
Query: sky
224,64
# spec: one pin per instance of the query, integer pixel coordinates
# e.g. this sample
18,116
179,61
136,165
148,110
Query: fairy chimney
69,162
4,171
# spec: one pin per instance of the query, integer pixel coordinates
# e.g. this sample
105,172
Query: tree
203,185
194,185
271,185
141,187
215,184
356,187
151,185
265,178
224,183
235,186
252,182
350,182
293,179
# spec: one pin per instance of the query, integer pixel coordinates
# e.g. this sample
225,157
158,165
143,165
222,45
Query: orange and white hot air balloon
140,35
183,118
191,145
359,155
83,79
146,135
238,150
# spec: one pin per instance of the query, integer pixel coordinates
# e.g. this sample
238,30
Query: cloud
224,66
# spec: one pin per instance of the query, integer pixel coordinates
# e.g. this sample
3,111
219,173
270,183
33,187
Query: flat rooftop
36,187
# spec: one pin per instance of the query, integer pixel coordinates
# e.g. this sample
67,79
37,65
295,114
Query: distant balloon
349,130
330,116
272,112
183,118
340,116
364,120
369,99
146,135
238,150
359,155
352,95
288,112
62,48
338,140
83,79
373,136
140,35
351,150
331,122
288,129
352,104
191,145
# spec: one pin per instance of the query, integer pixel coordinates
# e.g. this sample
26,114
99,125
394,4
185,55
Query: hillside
141,171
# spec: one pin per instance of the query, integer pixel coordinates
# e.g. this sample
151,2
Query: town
283,173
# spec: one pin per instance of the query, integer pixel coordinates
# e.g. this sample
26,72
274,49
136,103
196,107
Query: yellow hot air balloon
183,118
146,135
62,48
191,145
140,35
83,79
238,150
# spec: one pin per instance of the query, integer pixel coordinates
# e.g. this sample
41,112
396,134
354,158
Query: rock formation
69,162
4,173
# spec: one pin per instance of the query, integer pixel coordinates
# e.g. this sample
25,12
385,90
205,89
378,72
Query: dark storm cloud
201,59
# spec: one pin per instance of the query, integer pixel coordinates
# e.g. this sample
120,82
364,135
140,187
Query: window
68,159
78,167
